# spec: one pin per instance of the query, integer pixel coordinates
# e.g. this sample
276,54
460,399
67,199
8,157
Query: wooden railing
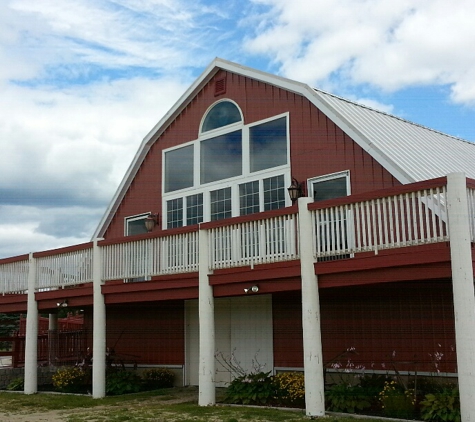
394,218
402,218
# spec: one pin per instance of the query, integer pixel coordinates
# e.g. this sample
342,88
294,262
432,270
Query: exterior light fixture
295,190
151,221
63,304
253,289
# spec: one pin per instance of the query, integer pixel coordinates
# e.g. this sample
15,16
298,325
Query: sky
83,81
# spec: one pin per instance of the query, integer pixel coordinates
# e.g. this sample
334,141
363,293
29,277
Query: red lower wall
407,326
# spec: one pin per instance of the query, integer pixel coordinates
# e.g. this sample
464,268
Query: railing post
312,339
206,379
99,327
31,337
463,290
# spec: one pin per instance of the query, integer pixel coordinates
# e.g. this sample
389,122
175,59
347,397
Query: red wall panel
398,325
318,147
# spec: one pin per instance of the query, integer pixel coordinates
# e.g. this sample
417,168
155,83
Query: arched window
221,114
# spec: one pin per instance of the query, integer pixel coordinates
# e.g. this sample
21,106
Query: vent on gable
220,86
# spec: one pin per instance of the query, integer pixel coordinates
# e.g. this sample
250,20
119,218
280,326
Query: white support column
99,328
206,379
312,339
31,340
463,290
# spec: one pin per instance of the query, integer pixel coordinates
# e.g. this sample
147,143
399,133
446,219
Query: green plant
258,388
346,398
122,382
17,384
156,378
290,388
441,406
396,401
70,380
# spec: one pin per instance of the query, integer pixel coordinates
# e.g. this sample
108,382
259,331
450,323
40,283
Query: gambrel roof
408,151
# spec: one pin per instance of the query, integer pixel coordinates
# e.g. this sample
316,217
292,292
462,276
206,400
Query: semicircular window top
221,114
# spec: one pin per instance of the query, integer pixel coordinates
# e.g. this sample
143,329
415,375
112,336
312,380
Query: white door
244,336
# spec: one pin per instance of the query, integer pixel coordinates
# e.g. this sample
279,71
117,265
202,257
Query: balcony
357,226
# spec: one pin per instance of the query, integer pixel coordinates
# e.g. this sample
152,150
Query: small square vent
220,86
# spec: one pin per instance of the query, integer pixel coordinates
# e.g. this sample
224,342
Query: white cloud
387,44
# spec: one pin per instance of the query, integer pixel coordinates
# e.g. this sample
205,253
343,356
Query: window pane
249,198
194,209
175,213
136,226
221,157
274,193
268,144
179,168
329,189
220,204
222,114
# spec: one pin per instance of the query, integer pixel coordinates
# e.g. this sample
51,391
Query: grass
175,405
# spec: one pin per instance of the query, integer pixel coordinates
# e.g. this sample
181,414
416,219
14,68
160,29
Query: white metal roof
419,153
410,152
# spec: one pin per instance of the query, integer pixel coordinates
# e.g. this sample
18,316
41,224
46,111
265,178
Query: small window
274,193
222,114
220,204
194,209
249,198
135,225
175,213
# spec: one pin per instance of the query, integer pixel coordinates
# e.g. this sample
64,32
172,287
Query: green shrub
258,388
290,388
154,379
397,402
17,384
347,398
122,382
441,406
70,380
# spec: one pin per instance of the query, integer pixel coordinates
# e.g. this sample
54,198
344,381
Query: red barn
202,252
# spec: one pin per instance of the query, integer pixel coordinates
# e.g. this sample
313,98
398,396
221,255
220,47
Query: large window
231,169
221,157
268,144
179,168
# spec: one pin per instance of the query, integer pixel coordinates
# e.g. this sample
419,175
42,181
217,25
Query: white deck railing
254,242
151,257
14,277
397,221
64,269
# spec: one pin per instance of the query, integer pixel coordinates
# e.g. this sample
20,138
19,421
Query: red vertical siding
399,325
318,147
145,334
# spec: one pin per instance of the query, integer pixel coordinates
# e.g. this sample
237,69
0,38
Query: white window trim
232,182
222,128
135,217
330,176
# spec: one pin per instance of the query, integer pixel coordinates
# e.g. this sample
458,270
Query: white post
207,390
463,290
99,328
31,337
312,339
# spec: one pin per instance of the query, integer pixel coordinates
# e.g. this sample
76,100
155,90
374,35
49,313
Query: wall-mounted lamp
63,304
295,190
151,221
253,289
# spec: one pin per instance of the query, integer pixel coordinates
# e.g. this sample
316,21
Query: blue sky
83,81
